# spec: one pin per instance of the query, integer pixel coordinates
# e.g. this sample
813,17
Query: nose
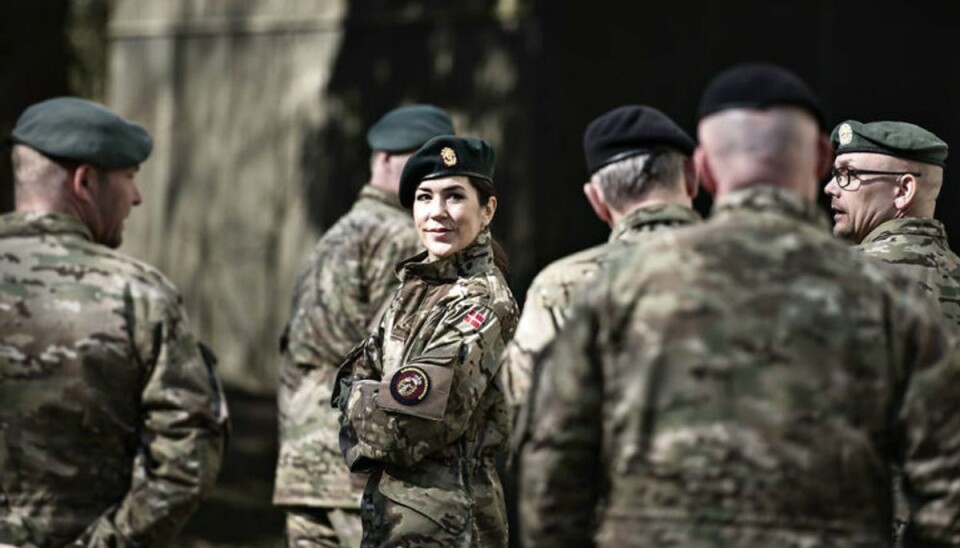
438,207
832,189
137,198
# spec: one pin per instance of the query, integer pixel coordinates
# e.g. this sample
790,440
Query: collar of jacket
382,195
659,214
909,226
37,224
770,199
473,259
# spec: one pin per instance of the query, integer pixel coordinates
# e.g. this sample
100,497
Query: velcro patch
410,385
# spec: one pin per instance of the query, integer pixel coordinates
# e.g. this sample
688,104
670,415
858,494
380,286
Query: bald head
779,147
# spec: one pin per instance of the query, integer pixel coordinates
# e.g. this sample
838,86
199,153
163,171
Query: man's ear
704,175
905,192
597,201
79,186
690,178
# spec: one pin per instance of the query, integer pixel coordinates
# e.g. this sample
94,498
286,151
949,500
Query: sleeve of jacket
930,419
182,437
560,459
466,346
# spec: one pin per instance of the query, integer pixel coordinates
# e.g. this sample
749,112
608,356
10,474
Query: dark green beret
630,131
69,128
900,139
759,86
446,156
406,128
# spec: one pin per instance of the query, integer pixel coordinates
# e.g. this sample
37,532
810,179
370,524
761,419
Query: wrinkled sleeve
182,437
560,459
471,351
930,416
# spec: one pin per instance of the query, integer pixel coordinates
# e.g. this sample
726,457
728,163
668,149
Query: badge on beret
474,318
448,156
410,385
846,134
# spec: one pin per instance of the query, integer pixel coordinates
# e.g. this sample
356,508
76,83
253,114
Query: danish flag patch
474,318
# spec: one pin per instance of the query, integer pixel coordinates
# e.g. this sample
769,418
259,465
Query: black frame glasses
845,176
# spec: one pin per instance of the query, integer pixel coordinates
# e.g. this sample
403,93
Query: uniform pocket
447,508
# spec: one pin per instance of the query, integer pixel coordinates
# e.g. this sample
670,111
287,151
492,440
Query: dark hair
484,193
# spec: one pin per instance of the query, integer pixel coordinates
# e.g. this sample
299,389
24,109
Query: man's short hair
34,169
629,180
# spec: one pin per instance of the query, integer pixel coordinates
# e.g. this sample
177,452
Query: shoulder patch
476,317
410,385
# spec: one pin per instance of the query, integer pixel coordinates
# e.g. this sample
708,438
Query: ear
703,171
597,201
824,156
690,178
488,211
906,190
80,185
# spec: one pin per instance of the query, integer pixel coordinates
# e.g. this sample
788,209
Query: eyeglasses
845,177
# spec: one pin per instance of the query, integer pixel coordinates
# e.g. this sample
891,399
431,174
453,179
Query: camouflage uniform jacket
422,409
348,277
919,247
551,293
111,423
745,382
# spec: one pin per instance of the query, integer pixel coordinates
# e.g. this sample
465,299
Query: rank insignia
448,156
474,318
846,134
410,385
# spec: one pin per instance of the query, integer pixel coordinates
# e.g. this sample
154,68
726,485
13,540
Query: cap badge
448,156
846,134
410,385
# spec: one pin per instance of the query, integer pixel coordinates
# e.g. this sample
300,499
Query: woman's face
448,215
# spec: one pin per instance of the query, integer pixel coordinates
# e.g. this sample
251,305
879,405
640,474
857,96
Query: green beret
446,156
406,128
69,128
899,139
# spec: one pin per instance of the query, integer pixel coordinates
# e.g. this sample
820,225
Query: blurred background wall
259,109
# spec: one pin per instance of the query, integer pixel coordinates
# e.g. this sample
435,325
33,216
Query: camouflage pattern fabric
919,248
433,481
348,277
308,527
745,382
551,294
112,424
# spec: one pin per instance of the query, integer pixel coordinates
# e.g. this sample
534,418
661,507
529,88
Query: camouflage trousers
323,528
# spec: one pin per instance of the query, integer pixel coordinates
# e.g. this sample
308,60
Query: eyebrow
455,186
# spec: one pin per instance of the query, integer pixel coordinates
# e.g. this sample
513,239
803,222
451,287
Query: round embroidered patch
410,385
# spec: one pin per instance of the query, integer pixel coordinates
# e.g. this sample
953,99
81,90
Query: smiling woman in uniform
422,410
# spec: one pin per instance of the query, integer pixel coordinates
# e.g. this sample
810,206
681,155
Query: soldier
642,181
421,407
346,280
746,382
886,178
112,421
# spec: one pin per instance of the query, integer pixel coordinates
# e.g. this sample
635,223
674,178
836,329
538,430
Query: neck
654,200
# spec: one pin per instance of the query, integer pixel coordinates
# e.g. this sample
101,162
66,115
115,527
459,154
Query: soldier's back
749,370
81,328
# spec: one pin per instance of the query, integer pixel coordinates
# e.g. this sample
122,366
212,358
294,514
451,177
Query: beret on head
446,156
407,128
69,128
759,86
900,139
630,131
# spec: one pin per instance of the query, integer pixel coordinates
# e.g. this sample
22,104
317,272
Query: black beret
759,86
900,139
446,156
70,128
406,128
630,131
